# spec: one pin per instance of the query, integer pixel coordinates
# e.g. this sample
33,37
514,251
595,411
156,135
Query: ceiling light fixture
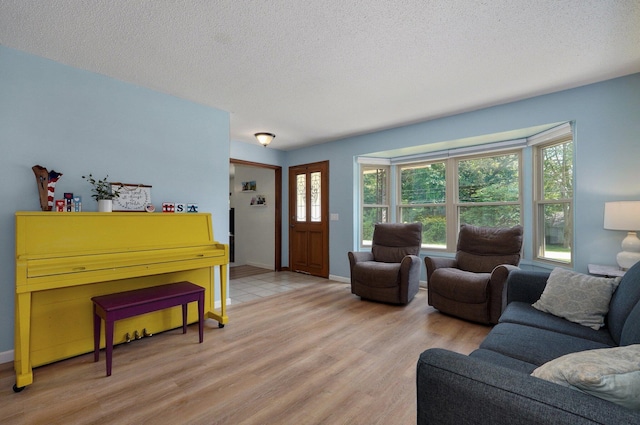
265,138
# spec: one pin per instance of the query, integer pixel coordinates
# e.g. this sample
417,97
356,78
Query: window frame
452,203
561,135
399,206
364,167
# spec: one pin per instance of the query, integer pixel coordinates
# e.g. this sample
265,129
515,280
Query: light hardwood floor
314,355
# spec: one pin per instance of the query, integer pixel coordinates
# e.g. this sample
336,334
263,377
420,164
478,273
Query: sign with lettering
133,197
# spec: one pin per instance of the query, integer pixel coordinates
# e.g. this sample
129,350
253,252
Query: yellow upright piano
64,259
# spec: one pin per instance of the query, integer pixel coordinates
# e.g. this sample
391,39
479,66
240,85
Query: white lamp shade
625,215
622,215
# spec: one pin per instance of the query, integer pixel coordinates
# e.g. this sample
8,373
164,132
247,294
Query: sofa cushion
577,297
503,361
534,345
612,374
459,285
377,274
524,314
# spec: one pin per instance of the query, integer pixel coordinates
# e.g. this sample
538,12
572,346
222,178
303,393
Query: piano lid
51,234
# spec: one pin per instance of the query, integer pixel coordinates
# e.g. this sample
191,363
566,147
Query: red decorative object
46,181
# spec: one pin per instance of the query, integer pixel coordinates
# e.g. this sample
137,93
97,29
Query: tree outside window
423,199
489,191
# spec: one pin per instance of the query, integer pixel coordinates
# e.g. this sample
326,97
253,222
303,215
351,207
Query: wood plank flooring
315,355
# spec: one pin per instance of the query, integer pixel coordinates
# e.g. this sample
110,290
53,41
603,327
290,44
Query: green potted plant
102,192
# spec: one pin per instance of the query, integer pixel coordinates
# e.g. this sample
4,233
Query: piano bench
122,305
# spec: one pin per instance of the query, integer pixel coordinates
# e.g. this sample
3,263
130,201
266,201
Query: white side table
607,271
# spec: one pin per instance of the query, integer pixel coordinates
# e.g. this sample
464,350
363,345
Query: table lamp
625,215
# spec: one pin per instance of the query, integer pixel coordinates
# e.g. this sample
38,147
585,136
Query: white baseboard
6,357
262,266
339,278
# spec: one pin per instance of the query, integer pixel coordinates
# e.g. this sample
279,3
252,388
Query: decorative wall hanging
249,186
133,197
46,181
259,201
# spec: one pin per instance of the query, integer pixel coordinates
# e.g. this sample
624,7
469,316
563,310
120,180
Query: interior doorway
309,218
255,214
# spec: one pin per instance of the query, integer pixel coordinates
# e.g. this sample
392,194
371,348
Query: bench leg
96,334
108,328
201,317
184,318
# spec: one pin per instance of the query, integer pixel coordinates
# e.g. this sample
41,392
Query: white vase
105,205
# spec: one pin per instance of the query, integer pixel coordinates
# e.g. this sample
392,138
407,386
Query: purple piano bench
122,305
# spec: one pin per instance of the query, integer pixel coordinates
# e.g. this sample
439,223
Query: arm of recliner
410,273
433,263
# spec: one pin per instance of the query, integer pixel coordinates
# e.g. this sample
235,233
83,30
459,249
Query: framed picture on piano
133,197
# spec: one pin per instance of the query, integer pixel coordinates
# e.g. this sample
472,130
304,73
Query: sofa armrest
456,389
433,263
497,291
525,286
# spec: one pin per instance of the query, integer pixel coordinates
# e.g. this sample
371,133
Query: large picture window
479,190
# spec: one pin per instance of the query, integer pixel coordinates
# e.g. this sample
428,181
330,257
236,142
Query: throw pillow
577,297
609,373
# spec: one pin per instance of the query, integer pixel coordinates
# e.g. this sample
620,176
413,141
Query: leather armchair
471,285
391,271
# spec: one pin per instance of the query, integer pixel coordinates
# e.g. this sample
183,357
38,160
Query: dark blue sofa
493,384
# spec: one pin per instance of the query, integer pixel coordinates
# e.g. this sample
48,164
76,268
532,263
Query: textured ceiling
316,71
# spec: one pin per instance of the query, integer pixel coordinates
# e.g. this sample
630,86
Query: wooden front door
309,218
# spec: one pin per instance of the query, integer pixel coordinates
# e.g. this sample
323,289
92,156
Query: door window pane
301,197
316,198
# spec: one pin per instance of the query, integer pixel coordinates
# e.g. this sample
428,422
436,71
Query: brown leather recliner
471,285
391,271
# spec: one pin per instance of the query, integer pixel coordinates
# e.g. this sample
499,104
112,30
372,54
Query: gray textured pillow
609,373
577,297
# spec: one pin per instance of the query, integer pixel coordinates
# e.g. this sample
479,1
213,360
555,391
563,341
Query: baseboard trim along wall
6,357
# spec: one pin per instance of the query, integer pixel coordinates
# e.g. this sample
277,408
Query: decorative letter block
181,208
168,207
192,208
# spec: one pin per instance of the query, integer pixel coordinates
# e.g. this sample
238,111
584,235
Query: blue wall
78,122
607,149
